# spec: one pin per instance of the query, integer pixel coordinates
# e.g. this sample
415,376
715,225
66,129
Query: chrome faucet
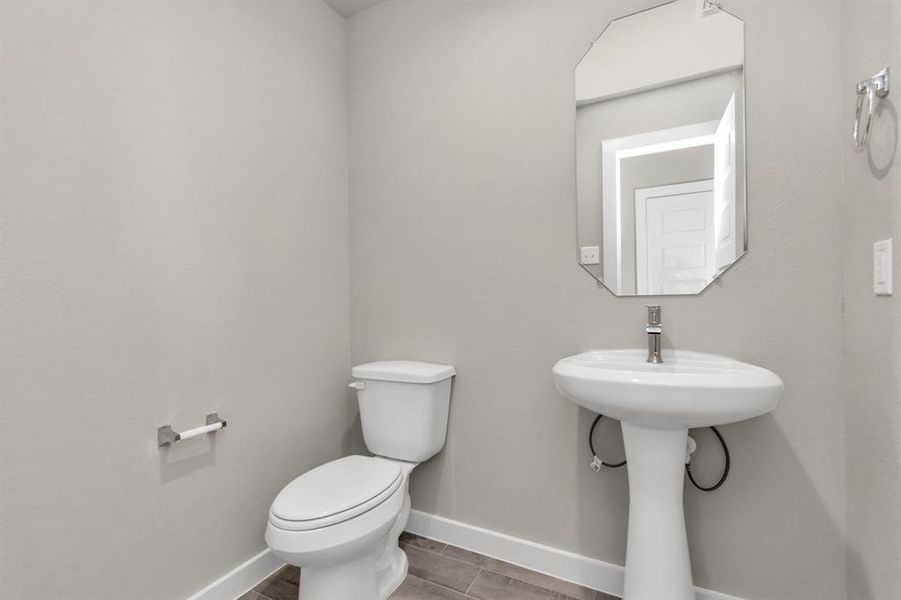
654,329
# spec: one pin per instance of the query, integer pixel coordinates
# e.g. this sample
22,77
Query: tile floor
442,572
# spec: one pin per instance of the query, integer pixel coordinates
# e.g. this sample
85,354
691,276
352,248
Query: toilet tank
403,407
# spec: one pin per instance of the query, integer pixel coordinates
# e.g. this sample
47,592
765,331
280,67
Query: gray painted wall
174,242
463,251
872,194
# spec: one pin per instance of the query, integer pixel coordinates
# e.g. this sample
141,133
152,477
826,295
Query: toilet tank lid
404,371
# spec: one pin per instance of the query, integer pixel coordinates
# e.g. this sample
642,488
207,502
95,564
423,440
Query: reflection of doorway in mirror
675,238
614,152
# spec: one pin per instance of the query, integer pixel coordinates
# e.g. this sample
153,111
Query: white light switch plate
882,268
590,255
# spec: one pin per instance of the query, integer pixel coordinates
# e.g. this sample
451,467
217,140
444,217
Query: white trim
705,129
242,578
562,564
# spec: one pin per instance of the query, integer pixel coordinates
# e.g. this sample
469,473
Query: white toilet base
394,576
373,575
393,563
353,578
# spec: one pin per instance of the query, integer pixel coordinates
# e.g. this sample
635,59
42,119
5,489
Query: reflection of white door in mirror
674,238
724,189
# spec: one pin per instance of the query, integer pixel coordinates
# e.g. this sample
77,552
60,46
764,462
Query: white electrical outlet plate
590,255
882,268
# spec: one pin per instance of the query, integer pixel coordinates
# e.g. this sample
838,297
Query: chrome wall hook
869,91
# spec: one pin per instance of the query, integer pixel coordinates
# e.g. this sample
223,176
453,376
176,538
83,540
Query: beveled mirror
660,150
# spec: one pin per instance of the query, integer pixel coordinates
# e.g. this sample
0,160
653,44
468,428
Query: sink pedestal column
657,563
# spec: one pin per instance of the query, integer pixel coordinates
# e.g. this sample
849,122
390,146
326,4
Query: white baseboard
562,564
242,578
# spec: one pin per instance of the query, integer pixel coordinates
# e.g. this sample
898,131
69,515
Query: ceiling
346,8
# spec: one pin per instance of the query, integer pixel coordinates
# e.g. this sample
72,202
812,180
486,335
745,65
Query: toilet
341,521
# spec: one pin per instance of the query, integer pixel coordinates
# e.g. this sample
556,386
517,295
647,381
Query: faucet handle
653,314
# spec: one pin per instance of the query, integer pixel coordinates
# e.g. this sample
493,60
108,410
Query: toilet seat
335,492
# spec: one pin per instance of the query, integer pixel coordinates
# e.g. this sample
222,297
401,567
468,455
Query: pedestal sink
657,404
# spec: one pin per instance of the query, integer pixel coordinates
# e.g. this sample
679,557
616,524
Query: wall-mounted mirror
660,150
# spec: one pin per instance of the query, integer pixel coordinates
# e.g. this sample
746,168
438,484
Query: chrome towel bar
165,436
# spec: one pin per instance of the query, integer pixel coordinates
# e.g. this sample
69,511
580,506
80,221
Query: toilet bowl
341,521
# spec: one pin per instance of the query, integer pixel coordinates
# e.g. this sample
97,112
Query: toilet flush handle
357,385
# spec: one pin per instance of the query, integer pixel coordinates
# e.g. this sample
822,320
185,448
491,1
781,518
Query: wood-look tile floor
443,572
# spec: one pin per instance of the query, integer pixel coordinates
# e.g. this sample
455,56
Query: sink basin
656,405
689,389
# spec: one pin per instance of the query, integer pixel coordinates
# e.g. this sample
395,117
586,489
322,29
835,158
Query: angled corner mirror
660,150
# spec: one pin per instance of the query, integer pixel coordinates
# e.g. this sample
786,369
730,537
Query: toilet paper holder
165,436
